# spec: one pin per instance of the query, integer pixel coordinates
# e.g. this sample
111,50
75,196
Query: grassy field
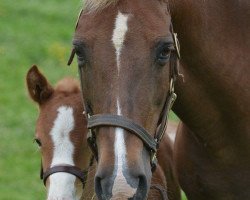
31,32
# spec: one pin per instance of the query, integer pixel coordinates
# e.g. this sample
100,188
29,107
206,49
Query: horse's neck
215,46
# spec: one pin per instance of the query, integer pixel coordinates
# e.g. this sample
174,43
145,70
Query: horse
131,62
67,162
59,135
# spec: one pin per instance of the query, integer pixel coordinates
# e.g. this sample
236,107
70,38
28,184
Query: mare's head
124,48
60,134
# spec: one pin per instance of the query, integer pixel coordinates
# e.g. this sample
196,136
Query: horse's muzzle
129,186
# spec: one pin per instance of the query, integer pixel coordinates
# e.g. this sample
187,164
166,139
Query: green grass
31,32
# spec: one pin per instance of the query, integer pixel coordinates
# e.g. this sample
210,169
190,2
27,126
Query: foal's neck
215,48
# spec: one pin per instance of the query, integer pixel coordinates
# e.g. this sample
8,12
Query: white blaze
121,187
121,28
62,185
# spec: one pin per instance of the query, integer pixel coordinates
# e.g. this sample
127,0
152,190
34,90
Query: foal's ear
38,86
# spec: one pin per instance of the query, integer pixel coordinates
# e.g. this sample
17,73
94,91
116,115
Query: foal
61,135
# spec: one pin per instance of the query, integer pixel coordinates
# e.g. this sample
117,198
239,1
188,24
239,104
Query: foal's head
123,49
60,132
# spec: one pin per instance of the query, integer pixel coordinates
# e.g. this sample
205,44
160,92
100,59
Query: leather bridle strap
82,175
164,120
70,169
120,121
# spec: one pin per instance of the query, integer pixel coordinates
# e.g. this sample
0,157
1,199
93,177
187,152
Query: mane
68,85
94,5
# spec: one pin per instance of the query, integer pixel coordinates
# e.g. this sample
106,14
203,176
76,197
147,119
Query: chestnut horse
61,135
126,50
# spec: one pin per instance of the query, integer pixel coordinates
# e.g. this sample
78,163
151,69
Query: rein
151,143
70,169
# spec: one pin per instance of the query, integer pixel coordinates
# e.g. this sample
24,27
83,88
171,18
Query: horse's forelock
68,85
93,5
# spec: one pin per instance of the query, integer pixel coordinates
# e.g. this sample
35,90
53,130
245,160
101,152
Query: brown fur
68,85
212,151
38,87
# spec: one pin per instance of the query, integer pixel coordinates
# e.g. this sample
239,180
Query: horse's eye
80,50
163,53
38,142
80,58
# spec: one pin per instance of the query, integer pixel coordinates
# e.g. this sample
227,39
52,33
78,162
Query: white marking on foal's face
62,185
120,183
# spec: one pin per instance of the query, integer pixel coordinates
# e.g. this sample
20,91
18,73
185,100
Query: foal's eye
38,142
163,53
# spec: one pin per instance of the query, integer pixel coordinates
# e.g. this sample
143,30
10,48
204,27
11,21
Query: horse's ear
39,88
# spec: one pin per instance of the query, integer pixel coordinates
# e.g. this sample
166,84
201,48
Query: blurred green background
31,32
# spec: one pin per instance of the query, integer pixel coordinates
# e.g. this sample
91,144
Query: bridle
111,120
70,169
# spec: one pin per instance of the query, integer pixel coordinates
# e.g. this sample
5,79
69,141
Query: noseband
110,120
70,169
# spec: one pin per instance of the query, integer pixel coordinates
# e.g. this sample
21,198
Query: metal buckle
171,86
88,115
153,161
173,98
177,45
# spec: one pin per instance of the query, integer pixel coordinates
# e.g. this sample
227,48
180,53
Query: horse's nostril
98,187
142,188
103,188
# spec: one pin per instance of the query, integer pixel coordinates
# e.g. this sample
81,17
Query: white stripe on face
119,33
62,185
121,187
